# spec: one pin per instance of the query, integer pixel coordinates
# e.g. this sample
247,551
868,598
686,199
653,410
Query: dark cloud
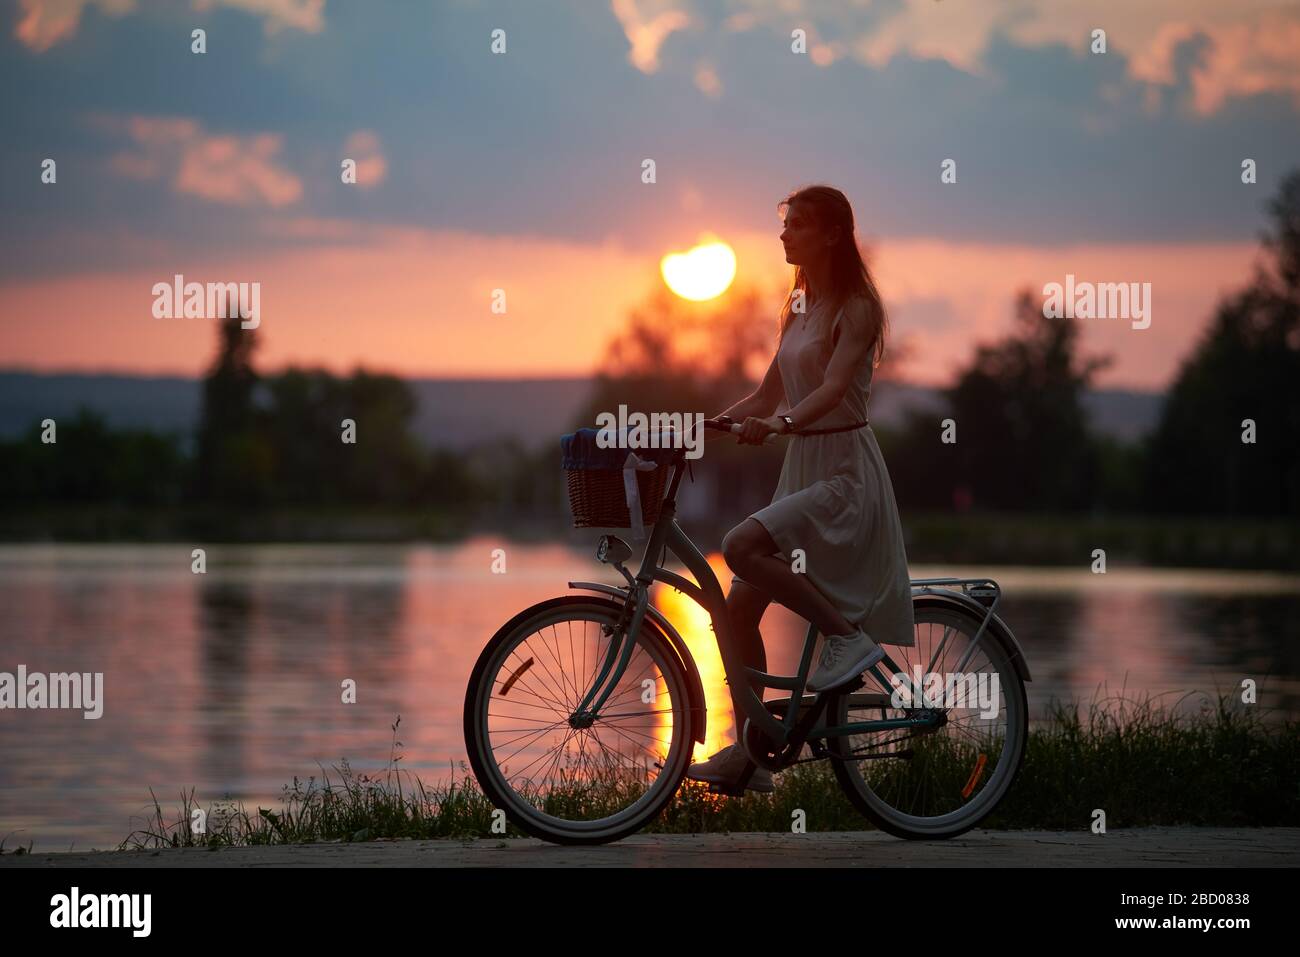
1053,145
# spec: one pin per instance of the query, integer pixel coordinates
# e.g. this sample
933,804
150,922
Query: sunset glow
702,273
697,631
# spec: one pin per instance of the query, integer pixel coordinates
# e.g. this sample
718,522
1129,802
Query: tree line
1024,440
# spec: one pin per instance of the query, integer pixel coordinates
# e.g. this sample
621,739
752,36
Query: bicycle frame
668,536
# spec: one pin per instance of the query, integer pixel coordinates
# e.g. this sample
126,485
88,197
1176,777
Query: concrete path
1143,847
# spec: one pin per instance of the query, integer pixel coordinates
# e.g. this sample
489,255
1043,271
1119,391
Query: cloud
43,23
931,31
1236,59
1253,45
221,168
302,15
647,32
706,80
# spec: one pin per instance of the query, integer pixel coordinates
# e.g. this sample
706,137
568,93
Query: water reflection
231,682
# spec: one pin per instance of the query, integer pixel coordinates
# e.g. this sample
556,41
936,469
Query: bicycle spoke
570,774
545,755
525,747
558,692
929,773
525,681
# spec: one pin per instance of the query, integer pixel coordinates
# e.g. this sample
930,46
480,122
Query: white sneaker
844,657
725,767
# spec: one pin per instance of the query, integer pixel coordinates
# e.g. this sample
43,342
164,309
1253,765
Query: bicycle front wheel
562,779
937,782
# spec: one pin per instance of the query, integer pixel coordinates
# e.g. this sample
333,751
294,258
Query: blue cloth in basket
580,451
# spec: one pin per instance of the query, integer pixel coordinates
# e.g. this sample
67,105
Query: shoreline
1120,847
931,538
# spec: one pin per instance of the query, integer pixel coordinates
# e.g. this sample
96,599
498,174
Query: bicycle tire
493,781
915,827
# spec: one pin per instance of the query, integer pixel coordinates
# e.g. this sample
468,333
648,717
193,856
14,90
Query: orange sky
418,303
477,170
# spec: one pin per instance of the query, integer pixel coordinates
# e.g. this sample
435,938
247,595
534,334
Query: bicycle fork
621,642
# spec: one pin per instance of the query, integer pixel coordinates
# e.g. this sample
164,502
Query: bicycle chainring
758,746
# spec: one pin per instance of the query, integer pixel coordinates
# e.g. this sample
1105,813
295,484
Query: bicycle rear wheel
936,782
555,778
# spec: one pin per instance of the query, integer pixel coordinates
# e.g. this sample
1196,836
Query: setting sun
704,272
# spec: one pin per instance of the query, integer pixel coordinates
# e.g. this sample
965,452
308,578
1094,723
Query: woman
834,500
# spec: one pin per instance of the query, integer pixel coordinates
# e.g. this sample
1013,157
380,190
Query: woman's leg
745,607
751,553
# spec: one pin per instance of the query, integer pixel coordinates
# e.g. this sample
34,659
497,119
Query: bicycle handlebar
725,424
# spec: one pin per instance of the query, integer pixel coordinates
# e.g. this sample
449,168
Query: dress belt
840,428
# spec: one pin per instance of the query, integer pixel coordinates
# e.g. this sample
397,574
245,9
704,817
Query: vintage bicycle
582,712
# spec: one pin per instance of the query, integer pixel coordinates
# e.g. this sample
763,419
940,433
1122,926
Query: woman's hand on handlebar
756,429
763,430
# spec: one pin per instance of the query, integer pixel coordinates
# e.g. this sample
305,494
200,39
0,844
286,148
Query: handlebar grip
736,429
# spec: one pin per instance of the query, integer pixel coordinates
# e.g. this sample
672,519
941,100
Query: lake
230,681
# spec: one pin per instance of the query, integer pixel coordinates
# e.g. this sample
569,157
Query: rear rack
984,590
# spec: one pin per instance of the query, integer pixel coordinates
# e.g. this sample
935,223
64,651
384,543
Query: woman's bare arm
857,330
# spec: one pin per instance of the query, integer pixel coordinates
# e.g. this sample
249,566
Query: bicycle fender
996,625
695,687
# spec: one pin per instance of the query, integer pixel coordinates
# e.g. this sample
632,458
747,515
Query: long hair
849,273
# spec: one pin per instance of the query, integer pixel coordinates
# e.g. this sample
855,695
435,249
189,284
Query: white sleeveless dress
834,499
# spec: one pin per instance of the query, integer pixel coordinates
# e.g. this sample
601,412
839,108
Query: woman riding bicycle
830,545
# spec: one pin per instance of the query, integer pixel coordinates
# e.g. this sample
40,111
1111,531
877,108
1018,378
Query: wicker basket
598,499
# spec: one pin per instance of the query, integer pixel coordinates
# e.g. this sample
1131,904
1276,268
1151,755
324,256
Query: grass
1142,763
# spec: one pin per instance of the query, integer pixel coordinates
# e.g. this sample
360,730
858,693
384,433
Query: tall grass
1142,763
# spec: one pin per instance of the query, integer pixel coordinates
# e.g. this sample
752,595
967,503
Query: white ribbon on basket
632,465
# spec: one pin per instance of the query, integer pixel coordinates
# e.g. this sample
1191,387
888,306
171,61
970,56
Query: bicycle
587,743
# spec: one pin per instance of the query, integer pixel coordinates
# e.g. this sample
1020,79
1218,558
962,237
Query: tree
680,356
277,440
233,458
1022,436
92,463
1245,366
310,462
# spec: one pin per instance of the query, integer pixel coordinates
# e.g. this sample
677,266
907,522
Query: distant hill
452,412
1120,413
1123,413
459,412
163,404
